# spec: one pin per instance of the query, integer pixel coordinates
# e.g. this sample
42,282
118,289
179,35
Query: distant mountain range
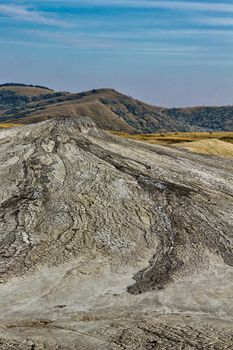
109,109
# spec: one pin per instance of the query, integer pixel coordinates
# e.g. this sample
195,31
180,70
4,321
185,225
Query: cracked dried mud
107,243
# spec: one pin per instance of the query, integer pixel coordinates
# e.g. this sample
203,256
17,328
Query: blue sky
171,53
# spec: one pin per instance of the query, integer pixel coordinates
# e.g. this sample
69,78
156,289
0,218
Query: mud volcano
112,244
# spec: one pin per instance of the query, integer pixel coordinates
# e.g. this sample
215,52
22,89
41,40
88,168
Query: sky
168,53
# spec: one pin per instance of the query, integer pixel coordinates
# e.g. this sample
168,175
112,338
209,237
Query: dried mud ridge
139,335
69,190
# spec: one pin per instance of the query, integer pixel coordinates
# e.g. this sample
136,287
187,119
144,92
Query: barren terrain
107,243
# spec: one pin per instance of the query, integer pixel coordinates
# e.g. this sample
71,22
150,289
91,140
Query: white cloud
216,21
127,42
166,4
23,13
173,5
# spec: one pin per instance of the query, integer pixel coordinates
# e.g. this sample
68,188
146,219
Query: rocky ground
112,244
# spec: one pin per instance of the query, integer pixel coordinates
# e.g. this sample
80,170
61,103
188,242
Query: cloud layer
24,13
172,5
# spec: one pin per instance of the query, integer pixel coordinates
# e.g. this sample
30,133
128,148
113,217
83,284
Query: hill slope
110,110
26,90
13,96
90,222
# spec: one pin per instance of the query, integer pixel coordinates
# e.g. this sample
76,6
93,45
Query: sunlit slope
211,146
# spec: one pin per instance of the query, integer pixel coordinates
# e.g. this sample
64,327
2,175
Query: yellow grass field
214,143
8,125
171,138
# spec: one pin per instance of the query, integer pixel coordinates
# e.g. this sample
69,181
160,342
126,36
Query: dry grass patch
215,143
211,146
8,125
171,138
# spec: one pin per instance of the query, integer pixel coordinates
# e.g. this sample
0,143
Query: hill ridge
110,110
25,85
